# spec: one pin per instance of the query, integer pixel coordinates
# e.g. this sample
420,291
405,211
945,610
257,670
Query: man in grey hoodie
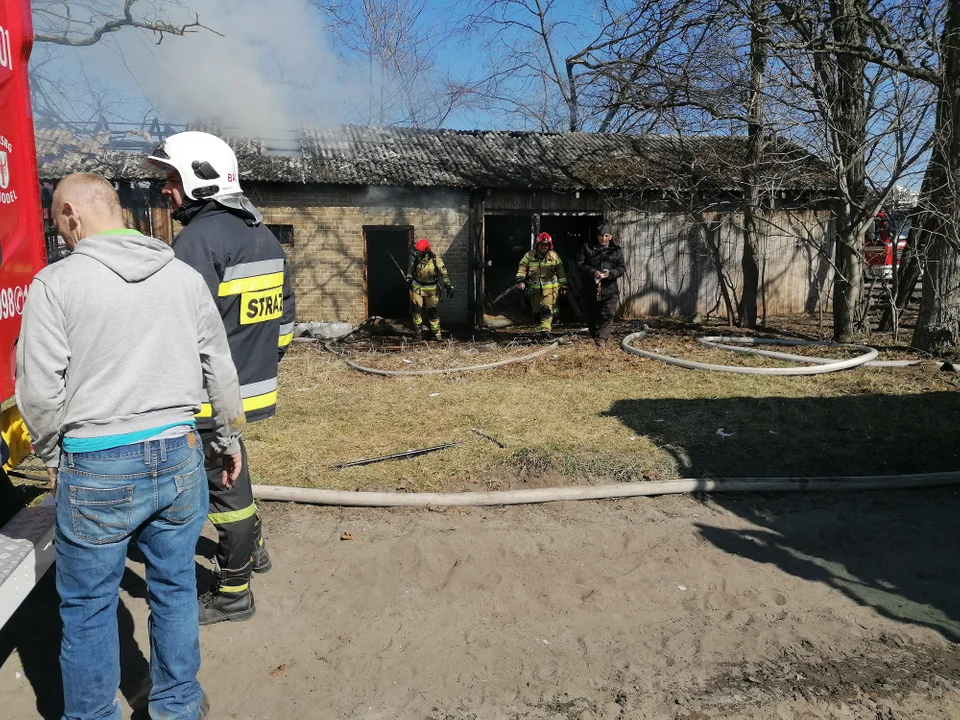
117,344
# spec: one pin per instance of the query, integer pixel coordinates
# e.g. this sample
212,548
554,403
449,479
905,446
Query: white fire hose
321,496
472,368
350,498
720,342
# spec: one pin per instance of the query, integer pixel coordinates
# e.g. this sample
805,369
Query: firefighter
541,270
601,265
225,240
425,273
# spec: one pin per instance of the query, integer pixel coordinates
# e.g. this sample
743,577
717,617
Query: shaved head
85,204
86,190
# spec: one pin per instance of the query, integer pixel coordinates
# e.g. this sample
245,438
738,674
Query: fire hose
732,343
472,368
351,498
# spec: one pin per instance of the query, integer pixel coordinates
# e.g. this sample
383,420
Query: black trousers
601,314
232,512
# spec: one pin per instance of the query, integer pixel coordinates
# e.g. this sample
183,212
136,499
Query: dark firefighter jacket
246,271
593,257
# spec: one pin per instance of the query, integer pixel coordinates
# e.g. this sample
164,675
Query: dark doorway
386,253
569,233
507,238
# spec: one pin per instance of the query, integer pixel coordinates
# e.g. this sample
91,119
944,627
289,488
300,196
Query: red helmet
544,238
422,245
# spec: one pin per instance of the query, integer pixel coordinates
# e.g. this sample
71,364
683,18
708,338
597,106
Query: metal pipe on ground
395,456
348,498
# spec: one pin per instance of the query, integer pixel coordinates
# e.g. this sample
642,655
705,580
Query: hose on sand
350,498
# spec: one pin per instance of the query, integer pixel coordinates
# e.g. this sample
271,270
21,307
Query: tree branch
128,20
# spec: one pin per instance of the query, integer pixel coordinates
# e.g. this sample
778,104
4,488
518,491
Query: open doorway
569,233
386,250
506,238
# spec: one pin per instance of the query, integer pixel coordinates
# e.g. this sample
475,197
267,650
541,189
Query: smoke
266,69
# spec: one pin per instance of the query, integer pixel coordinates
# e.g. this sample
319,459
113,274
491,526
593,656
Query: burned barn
347,203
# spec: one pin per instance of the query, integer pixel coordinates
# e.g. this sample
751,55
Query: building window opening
283,233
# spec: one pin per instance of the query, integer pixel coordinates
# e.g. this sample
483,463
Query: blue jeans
156,493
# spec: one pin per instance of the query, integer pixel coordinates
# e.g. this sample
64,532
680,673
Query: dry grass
580,415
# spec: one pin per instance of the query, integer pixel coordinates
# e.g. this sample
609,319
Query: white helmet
207,165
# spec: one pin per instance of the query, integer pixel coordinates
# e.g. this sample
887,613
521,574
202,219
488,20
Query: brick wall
327,257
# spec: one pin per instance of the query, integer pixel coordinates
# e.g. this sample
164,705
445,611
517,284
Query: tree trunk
848,295
849,105
747,310
938,326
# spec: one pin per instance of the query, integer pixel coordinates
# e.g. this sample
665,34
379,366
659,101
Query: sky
269,66
279,64
274,68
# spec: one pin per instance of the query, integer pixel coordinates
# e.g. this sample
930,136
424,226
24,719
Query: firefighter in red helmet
425,274
541,270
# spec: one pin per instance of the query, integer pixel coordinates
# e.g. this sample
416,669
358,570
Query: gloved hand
449,289
521,285
562,291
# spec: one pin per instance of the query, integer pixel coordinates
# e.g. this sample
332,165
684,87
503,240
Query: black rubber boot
230,598
261,558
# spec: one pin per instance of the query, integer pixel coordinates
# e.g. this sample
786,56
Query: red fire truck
26,541
878,249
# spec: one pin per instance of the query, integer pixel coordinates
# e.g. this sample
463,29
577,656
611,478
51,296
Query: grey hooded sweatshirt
121,337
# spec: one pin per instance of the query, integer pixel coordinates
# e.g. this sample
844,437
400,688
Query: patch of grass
580,415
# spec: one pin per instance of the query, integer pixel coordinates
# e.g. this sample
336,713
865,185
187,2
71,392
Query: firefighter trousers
544,303
425,298
233,513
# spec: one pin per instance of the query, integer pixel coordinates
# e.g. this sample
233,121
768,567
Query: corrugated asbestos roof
354,155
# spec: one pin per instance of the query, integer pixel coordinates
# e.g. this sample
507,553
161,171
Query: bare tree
869,123
837,85
79,24
396,43
901,51
60,24
609,66
938,326
758,18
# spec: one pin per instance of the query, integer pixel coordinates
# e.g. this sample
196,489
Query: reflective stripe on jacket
246,271
541,272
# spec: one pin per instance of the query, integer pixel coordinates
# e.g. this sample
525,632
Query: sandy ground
762,606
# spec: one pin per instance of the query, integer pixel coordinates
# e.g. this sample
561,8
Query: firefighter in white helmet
244,266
